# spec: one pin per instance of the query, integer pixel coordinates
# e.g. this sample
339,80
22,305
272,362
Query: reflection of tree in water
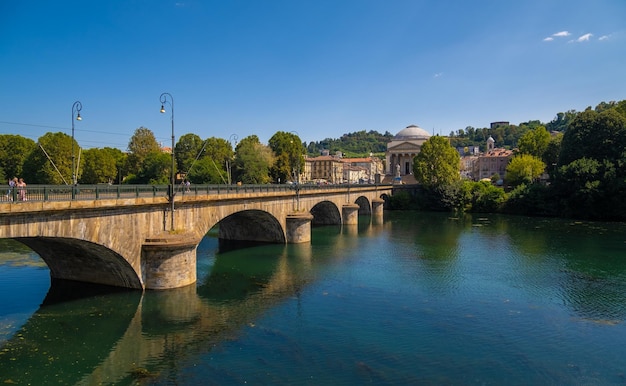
586,259
14,253
68,339
426,246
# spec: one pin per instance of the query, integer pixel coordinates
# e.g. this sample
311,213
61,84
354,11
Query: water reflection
420,298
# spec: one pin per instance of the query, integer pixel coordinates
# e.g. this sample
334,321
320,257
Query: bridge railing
105,191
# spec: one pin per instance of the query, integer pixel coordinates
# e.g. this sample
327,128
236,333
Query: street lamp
233,137
170,191
76,107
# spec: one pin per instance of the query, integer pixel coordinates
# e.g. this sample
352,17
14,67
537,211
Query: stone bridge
136,243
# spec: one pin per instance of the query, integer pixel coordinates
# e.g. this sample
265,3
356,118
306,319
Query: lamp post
233,137
76,107
170,191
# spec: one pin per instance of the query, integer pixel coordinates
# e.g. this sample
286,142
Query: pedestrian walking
12,185
21,189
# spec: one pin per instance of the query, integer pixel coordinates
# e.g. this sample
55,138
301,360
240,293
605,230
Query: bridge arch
80,260
325,213
365,207
251,225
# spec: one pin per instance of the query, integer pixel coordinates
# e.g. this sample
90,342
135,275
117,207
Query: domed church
403,147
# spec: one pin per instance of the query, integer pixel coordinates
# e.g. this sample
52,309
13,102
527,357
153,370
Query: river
423,298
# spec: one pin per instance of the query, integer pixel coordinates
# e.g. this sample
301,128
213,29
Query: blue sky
320,68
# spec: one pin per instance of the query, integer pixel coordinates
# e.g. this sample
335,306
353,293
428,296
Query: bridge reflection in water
129,335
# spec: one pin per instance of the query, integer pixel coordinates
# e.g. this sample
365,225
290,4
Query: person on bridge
21,189
12,184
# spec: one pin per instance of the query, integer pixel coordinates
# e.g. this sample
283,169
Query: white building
403,148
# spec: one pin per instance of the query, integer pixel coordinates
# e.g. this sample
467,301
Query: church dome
412,132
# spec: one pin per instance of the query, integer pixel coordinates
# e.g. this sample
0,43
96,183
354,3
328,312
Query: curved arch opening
251,226
84,261
325,213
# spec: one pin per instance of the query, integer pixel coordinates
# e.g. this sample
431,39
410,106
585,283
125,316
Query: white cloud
584,38
556,35
560,34
604,37
437,75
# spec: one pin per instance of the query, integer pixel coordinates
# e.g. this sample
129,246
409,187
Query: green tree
534,142
52,162
140,145
289,151
155,169
99,166
14,149
601,136
524,169
551,155
186,151
253,161
206,171
437,163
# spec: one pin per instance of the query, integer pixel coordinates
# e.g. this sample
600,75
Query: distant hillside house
493,161
403,148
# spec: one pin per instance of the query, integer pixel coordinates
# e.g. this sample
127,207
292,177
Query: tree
206,171
52,162
524,169
253,161
140,145
594,135
437,163
289,150
99,166
14,149
155,169
534,142
186,151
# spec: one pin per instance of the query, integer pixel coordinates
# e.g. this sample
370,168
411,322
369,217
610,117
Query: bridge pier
168,262
377,210
350,214
299,228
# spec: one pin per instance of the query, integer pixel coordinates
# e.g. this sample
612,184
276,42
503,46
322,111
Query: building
362,170
403,148
326,168
336,169
493,161
499,123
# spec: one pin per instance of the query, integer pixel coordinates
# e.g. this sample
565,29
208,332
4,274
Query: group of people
17,188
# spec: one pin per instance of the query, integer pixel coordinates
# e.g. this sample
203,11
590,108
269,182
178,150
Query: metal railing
105,191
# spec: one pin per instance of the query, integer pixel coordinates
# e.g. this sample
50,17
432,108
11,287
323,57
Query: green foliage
401,200
437,163
253,161
524,169
56,168
532,200
186,151
13,152
99,166
140,145
289,159
534,142
594,135
356,144
206,171
155,169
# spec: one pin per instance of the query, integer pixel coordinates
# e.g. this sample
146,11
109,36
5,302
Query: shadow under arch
251,225
325,213
84,261
365,208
